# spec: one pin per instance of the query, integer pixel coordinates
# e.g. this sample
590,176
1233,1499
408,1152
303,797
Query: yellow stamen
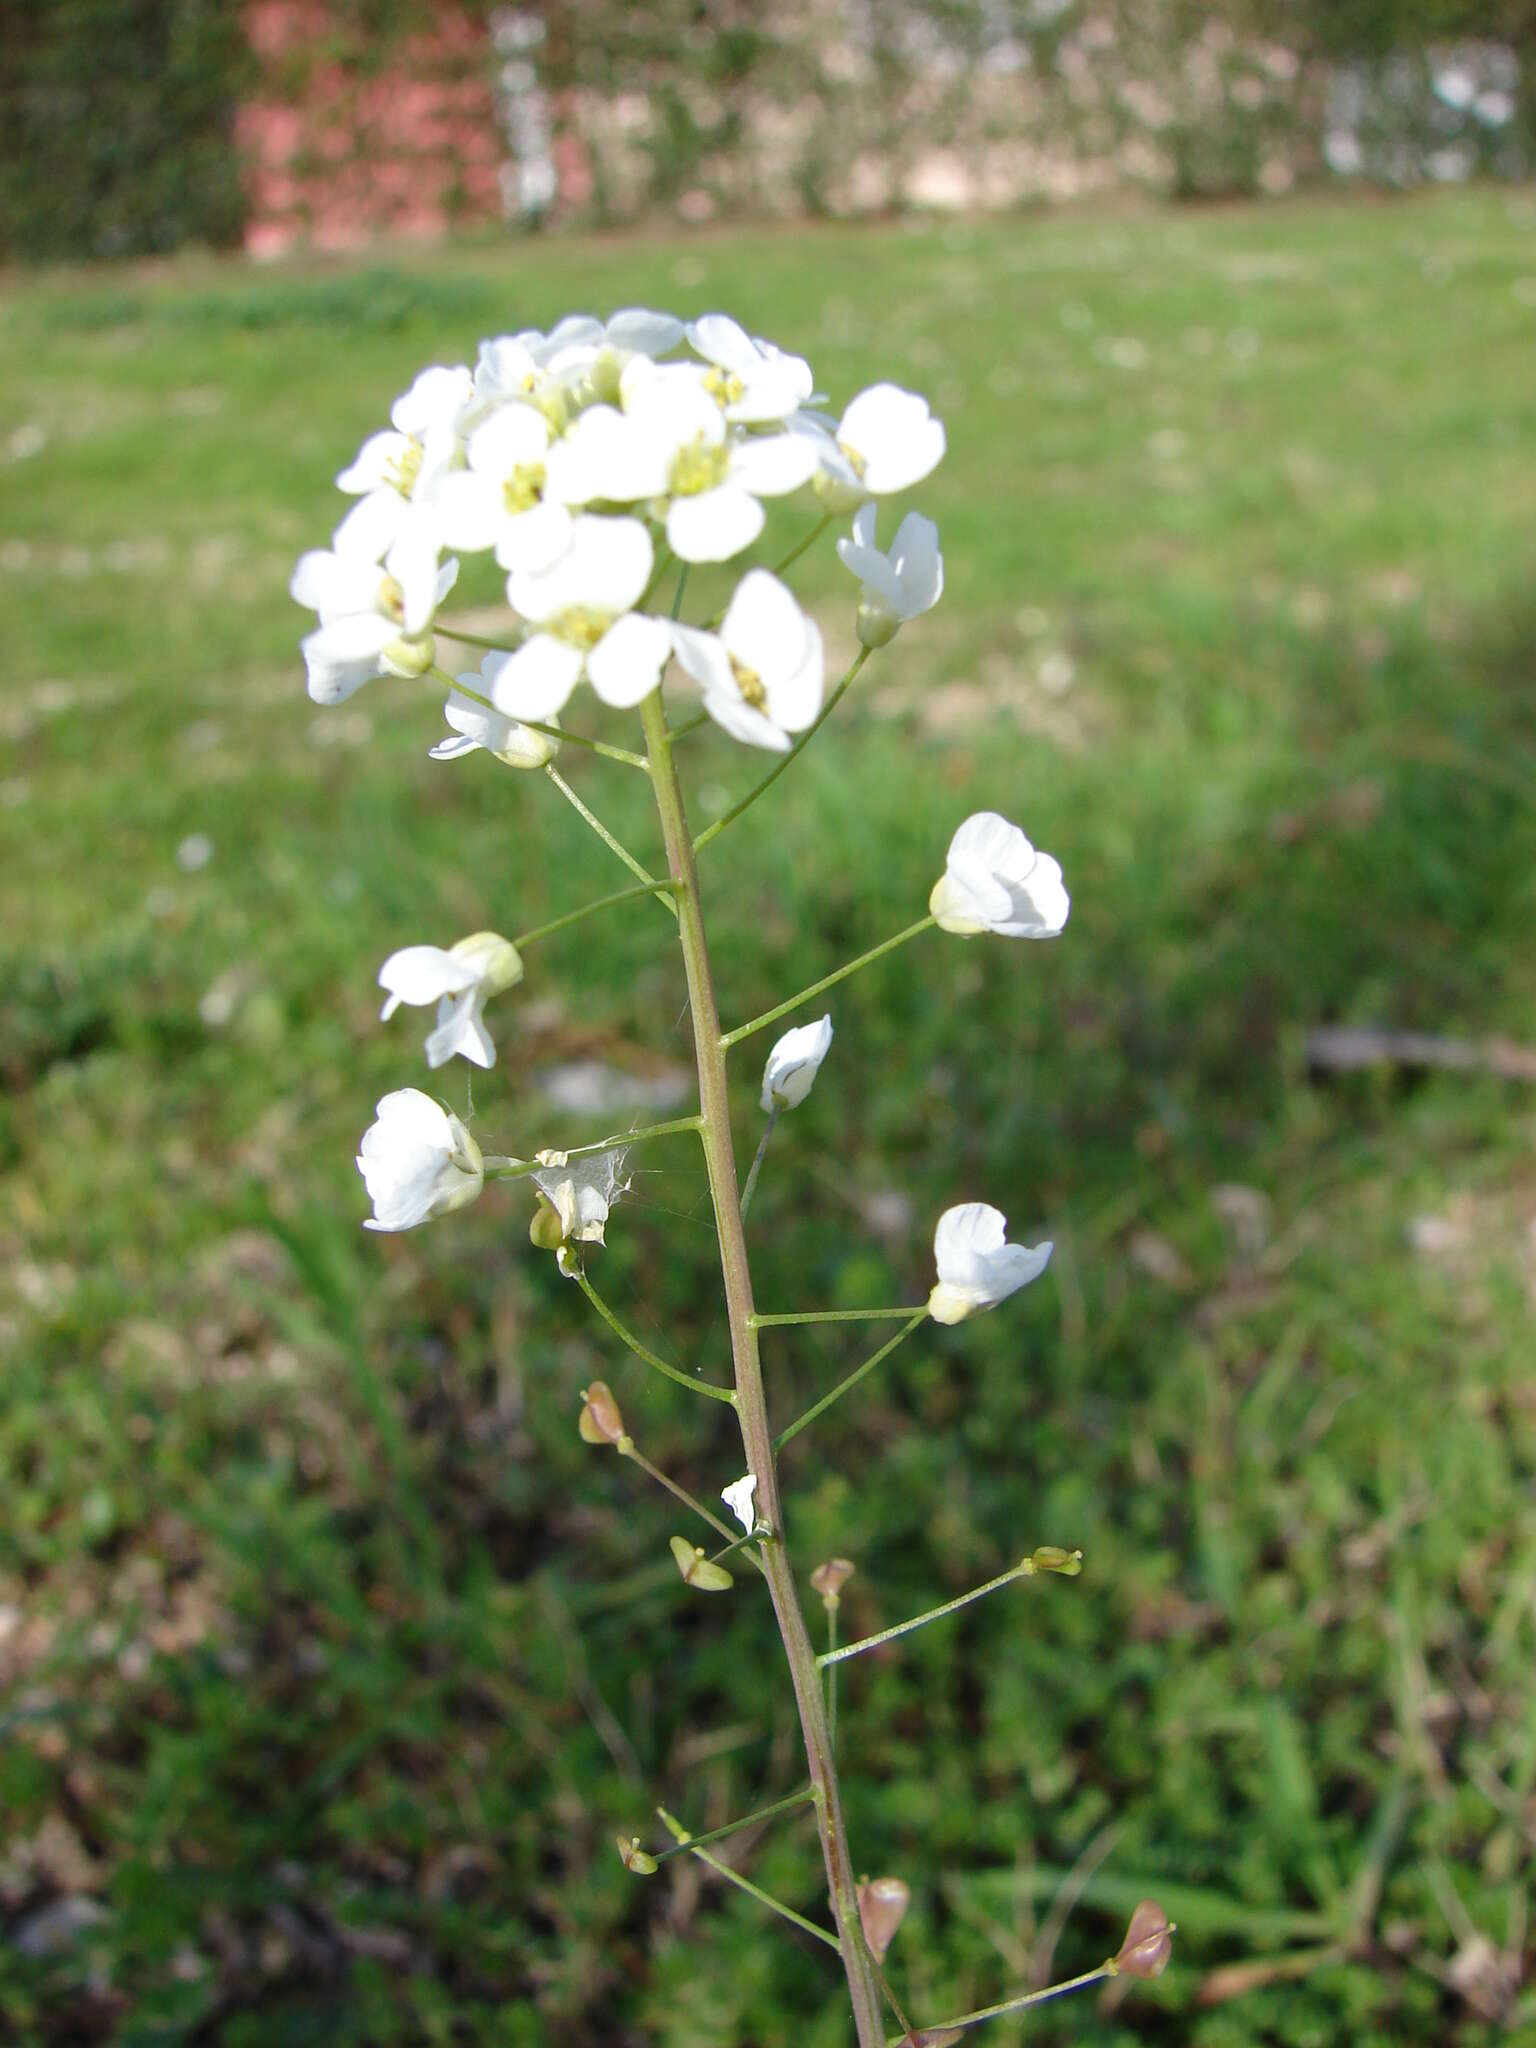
750,684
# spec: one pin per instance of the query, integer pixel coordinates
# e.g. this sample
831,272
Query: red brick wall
337,154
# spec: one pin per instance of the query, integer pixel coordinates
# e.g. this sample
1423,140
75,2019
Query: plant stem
558,924
845,1386
734,1826
751,1405
1026,1570
827,981
626,1449
628,1337
686,1841
467,639
993,2012
756,1168
713,831
553,732
837,1315
499,1166
616,845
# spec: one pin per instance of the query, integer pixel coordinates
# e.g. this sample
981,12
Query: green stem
754,1170
808,540
802,1798
1024,1570
846,1386
751,1403
465,639
558,924
993,2012
628,1337
681,732
626,1449
685,1841
827,981
663,889
499,1167
713,831
553,732
837,1315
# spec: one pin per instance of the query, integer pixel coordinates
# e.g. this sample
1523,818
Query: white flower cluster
571,457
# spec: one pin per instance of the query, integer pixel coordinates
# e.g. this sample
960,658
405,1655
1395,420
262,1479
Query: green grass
330,1658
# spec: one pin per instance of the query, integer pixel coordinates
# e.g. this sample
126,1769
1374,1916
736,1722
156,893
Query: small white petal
423,974
738,1498
794,1064
713,525
626,664
536,680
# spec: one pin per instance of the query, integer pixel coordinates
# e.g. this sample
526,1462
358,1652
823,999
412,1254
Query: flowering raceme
597,466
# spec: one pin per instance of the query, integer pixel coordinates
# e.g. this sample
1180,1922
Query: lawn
331,1659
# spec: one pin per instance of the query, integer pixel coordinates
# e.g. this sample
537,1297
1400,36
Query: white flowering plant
596,465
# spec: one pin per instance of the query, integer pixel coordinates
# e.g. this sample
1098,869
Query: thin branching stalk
1026,1570
1029,1998
713,831
827,981
641,1351
615,845
751,1404
559,924
733,1827
626,1448
755,1169
754,1891
838,1315
553,732
847,1385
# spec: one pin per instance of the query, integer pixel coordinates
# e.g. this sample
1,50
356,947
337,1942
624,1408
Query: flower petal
536,680
626,664
714,525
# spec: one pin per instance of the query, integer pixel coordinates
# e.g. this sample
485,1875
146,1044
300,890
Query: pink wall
336,155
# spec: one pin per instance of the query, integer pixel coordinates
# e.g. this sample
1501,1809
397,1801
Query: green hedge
117,126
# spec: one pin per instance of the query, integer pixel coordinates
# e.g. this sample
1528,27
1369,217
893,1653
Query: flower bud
883,1903
600,1421
837,496
698,1571
1050,1557
633,1857
829,1578
1148,1942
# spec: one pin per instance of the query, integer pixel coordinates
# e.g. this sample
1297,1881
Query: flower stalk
751,1403
827,981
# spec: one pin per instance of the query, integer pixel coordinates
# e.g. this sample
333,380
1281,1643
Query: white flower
417,1162
713,477
738,1498
794,1064
395,476
977,1267
477,725
373,618
581,604
502,500
895,587
995,881
886,441
762,674
752,381
577,348
582,1191
460,980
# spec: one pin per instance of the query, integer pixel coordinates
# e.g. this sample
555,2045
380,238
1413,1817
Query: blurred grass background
331,1659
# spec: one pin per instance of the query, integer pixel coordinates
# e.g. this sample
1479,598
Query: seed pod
600,1421
829,1578
883,1903
633,1857
1148,1942
699,1571
1050,1557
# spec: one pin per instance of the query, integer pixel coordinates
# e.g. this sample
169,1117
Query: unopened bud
600,1421
830,1578
883,1903
1148,1942
699,1571
1050,1557
633,1857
